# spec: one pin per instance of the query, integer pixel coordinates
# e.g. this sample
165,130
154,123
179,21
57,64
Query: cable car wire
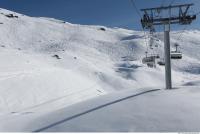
138,12
135,7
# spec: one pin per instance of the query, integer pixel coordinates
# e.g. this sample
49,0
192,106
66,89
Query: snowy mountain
50,66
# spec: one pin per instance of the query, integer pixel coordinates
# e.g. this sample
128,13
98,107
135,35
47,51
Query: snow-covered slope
48,64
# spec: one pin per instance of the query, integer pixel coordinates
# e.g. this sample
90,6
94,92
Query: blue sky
112,13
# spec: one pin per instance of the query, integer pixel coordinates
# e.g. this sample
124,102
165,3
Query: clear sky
112,13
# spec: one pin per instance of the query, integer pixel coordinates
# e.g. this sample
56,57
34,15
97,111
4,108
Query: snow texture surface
57,76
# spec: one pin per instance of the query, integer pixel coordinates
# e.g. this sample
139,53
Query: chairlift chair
156,56
149,61
176,54
161,62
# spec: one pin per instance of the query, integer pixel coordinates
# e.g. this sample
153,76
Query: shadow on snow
92,110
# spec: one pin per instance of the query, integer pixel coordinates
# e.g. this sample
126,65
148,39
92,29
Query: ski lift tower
173,14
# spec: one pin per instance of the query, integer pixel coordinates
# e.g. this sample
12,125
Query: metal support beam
167,56
167,7
150,19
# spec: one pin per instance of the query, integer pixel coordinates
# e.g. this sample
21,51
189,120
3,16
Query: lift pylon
173,14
